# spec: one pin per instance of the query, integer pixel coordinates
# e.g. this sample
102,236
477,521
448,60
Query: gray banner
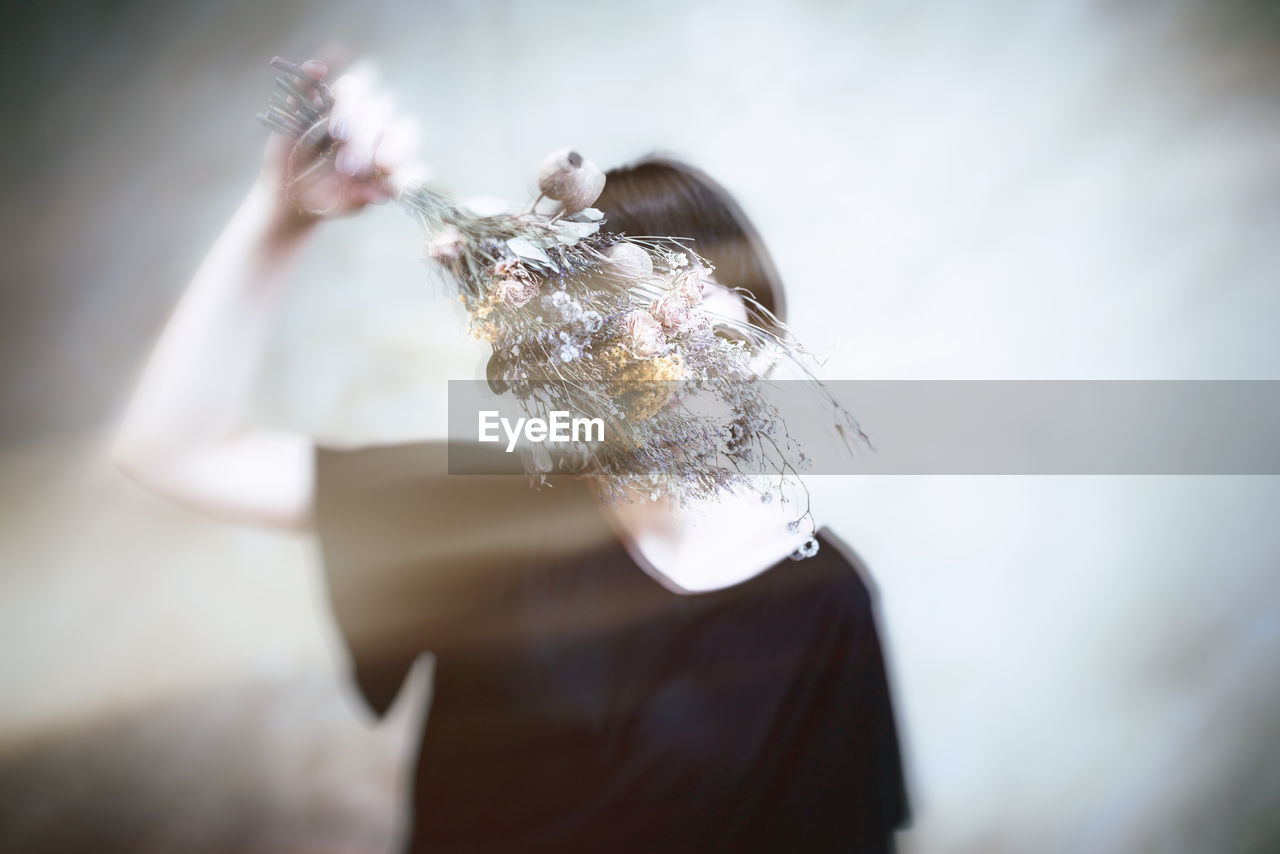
965,427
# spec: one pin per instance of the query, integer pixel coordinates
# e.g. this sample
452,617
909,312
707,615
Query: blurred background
986,190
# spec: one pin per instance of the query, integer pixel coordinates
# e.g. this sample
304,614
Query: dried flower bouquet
605,325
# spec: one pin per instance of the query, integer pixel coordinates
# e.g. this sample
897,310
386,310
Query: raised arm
183,434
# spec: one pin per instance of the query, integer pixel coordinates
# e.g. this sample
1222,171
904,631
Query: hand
372,150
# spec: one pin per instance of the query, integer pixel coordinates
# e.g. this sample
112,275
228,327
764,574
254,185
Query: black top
580,706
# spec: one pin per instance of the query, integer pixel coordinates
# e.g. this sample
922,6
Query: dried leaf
525,248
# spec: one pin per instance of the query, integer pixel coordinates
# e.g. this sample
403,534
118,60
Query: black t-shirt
581,706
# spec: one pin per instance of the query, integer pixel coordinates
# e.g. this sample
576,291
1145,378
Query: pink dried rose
693,283
513,285
673,310
510,267
644,334
515,291
446,245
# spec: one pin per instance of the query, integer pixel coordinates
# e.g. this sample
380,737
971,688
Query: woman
632,677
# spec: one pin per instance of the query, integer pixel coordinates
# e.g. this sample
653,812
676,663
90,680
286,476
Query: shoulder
844,567
425,468
406,498
378,461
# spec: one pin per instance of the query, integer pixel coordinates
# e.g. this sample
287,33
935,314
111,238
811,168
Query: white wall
999,190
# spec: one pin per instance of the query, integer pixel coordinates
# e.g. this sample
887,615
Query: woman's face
724,302
721,301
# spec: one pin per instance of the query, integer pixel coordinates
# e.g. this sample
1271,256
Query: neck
706,544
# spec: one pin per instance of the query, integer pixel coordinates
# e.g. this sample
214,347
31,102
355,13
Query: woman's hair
663,197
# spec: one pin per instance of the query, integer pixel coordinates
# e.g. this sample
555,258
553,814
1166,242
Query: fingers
307,85
327,193
398,145
369,193
368,121
370,136
315,69
348,94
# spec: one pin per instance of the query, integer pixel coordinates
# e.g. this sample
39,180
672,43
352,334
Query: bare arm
183,434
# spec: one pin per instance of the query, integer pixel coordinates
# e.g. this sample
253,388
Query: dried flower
673,310
591,321
641,386
563,306
446,245
643,333
510,267
517,292
514,285
568,351
693,284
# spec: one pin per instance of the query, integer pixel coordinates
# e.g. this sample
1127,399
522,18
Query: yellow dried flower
642,386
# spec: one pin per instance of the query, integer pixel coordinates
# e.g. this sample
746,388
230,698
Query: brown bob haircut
663,197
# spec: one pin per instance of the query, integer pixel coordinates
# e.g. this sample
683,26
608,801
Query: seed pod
628,261
570,179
